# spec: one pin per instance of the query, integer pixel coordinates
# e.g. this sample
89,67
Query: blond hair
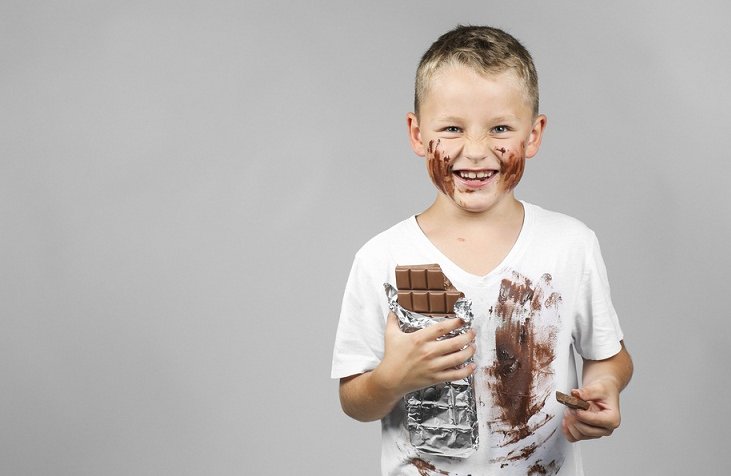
487,50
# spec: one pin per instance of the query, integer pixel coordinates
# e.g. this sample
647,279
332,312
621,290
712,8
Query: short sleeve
596,333
359,338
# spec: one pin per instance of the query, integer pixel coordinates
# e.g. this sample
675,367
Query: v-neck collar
453,270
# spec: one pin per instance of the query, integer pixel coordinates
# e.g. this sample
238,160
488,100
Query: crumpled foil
441,419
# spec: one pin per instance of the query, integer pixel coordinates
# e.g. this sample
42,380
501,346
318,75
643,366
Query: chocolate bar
441,419
571,401
425,289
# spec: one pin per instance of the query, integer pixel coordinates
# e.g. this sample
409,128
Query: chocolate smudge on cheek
440,168
512,166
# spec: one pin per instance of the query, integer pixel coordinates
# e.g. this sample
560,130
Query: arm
602,382
410,362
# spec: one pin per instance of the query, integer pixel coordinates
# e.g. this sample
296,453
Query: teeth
472,175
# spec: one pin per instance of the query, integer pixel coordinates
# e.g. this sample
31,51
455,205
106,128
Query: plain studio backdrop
183,186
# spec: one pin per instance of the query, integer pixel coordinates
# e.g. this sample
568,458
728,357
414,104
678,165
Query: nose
476,149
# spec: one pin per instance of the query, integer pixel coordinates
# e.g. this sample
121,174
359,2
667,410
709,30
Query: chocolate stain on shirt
528,450
520,379
440,168
425,468
539,469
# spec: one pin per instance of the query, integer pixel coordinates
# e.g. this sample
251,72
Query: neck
476,242
446,214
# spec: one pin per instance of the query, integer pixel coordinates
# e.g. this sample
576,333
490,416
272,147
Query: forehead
461,86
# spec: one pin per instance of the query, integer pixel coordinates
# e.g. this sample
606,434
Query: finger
456,373
573,434
454,344
577,431
566,428
454,359
598,399
566,432
590,432
392,322
605,419
441,328
602,422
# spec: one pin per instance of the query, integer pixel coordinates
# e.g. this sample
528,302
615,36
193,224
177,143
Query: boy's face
476,132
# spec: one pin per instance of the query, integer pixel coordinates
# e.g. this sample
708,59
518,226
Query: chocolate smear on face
440,168
520,379
512,165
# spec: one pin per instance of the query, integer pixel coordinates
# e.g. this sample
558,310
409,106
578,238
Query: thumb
393,329
392,323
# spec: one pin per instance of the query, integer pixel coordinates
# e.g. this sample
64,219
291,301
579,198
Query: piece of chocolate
571,401
425,289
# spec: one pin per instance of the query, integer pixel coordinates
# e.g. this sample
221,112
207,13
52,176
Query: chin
474,207
474,203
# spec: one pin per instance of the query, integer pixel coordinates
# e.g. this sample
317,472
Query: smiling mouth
481,175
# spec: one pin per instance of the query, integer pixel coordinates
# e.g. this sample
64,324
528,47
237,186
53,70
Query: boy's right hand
415,360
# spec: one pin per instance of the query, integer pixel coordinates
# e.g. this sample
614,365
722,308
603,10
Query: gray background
183,186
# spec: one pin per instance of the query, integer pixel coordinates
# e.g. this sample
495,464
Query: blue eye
500,129
452,129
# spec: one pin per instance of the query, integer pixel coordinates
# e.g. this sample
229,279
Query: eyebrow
449,119
507,118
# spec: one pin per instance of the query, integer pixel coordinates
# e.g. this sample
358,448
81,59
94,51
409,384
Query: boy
536,280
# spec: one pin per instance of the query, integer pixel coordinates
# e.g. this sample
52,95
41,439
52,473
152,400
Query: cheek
440,170
513,165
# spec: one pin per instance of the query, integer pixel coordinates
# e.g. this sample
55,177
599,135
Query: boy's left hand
602,417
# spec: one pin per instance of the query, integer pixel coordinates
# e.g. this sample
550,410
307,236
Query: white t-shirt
550,294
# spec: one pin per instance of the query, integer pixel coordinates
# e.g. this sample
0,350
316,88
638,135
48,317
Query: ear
536,136
412,122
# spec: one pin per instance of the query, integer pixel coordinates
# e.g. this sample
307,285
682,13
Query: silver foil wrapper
441,419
